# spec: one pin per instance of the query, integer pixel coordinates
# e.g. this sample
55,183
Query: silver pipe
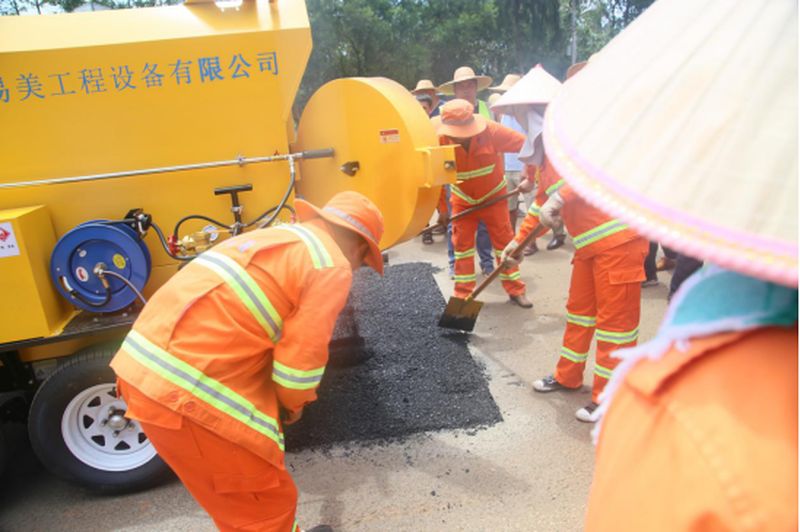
239,161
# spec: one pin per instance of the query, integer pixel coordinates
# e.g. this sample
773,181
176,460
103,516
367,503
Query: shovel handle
471,210
539,229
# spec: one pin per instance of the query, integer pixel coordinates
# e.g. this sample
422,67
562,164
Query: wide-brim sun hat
685,127
457,119
464,73
537,87
352,211
424,85
507,83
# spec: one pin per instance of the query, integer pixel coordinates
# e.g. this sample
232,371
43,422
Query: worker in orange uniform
481,144
607,269
233,347
698,427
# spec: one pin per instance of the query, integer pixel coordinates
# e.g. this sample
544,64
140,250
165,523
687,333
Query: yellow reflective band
320,257
472,201
468,278
510,276
583,321
246,289
296,379
619,338
555,186
598,233
534,210
478,172
464,254
569,354
600,371
200,385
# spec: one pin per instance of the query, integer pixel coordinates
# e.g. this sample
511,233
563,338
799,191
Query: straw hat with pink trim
692,143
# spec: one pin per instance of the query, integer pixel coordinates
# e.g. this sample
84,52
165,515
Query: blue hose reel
84,252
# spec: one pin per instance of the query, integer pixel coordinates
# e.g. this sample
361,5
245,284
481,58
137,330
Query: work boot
556,242
427,237
521,300
650,282
587,414
319,528
549,384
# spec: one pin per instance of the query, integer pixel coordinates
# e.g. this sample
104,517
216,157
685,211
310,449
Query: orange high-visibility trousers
500,233
239,490
604,301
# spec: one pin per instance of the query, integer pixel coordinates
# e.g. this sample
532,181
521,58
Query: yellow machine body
385,148
127,90
89,117
26,238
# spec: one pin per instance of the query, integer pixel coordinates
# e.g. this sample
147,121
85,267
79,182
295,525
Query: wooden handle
539,229
471,210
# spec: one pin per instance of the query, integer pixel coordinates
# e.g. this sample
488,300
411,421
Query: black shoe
319,528
427,237
555,243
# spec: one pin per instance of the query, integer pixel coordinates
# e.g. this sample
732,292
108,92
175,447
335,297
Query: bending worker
607,270
479,166
233,347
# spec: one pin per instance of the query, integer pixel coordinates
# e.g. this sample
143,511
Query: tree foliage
408,40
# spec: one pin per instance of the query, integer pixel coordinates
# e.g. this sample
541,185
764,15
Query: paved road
530,472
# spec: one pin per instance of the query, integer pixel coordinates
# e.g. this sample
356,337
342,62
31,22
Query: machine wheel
78,430
3,450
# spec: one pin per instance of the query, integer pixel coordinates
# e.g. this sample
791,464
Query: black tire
3,450
55,403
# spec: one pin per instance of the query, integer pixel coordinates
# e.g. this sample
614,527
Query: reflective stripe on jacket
240,331
480,170
591,229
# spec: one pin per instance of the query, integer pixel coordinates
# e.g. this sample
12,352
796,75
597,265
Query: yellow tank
155,108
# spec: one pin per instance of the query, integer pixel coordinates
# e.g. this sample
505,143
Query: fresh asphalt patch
393,372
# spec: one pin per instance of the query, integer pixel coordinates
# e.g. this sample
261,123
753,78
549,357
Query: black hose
76,295
196,217
278,208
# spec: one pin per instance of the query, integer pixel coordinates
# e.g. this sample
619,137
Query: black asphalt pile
403,375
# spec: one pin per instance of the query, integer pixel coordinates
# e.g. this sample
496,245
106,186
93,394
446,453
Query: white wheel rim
92,433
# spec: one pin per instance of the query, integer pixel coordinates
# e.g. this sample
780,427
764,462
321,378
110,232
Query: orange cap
354,212
458,120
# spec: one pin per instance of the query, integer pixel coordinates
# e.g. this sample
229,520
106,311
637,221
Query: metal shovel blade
460,314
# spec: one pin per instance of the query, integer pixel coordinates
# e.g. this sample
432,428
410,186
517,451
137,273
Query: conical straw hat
536,87
508,82
685,126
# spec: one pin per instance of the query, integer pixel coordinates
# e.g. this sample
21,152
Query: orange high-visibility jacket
480,172
241,330
591,229
704,438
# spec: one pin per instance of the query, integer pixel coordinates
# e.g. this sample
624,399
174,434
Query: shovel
461,314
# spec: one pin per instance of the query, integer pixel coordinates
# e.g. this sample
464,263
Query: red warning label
390,136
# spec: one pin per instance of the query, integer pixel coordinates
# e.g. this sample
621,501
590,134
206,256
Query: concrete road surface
530,472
